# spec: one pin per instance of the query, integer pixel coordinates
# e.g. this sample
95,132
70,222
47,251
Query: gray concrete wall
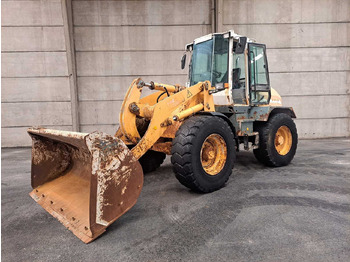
35,86
308,48
116,41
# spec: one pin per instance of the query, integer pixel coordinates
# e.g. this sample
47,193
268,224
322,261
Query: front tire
203,153
278,139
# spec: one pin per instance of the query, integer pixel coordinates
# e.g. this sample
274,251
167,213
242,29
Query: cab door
239,79
259,82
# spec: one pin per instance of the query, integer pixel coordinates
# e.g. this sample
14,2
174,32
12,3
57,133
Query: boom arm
180,103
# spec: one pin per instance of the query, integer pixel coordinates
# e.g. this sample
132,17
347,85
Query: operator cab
232,63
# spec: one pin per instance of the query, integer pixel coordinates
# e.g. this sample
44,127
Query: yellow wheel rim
213,154
283,140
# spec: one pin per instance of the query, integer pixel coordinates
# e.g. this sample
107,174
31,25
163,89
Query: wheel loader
88,180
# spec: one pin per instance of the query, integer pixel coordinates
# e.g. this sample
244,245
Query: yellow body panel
276,99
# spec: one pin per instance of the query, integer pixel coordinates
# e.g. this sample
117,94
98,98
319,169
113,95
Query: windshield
201,62
204,67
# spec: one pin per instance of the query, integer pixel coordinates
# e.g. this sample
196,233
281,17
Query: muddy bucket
86,181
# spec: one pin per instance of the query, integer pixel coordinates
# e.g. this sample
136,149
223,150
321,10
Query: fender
286,110
224,117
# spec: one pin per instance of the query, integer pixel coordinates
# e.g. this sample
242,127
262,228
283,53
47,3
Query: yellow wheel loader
87,181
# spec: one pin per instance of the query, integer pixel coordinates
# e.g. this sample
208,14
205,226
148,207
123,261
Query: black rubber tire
151,160
267,153
186,150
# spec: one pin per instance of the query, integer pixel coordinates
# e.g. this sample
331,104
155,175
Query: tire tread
181,152
264,154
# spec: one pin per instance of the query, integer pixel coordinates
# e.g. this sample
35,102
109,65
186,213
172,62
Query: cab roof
229,34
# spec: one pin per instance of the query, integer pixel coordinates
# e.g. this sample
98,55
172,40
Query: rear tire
203,153
151,160
278,139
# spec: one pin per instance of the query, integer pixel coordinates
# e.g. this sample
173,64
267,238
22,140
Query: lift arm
180,103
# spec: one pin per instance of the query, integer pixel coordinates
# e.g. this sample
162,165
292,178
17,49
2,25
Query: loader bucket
86,181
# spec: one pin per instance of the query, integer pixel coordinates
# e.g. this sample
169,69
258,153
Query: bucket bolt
140,84
133,107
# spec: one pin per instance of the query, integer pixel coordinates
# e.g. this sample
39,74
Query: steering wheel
216,73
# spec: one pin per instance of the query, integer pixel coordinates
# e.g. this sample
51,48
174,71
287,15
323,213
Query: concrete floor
296,213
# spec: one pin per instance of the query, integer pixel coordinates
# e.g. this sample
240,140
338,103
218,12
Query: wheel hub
280,140
283,140
213,154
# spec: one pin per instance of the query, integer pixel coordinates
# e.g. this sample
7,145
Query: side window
257,66
238,74
219,74
258,75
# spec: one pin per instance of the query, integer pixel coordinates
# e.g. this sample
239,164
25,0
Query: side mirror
183,61
241,45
